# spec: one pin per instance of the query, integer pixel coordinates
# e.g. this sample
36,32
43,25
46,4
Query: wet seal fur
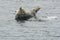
22,15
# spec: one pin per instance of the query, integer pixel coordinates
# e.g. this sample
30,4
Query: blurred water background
30,30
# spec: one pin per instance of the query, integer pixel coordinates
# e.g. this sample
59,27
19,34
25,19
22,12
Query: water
29,30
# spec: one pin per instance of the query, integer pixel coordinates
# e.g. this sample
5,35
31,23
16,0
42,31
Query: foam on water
44,18
47,18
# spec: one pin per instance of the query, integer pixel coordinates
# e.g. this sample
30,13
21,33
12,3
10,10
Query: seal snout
37,8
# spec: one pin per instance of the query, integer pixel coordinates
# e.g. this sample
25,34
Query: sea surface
10,29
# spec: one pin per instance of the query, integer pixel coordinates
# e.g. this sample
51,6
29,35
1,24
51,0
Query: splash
45,18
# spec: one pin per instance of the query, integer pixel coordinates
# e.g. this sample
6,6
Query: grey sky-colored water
30,30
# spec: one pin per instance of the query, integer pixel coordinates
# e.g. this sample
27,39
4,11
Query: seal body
22,14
